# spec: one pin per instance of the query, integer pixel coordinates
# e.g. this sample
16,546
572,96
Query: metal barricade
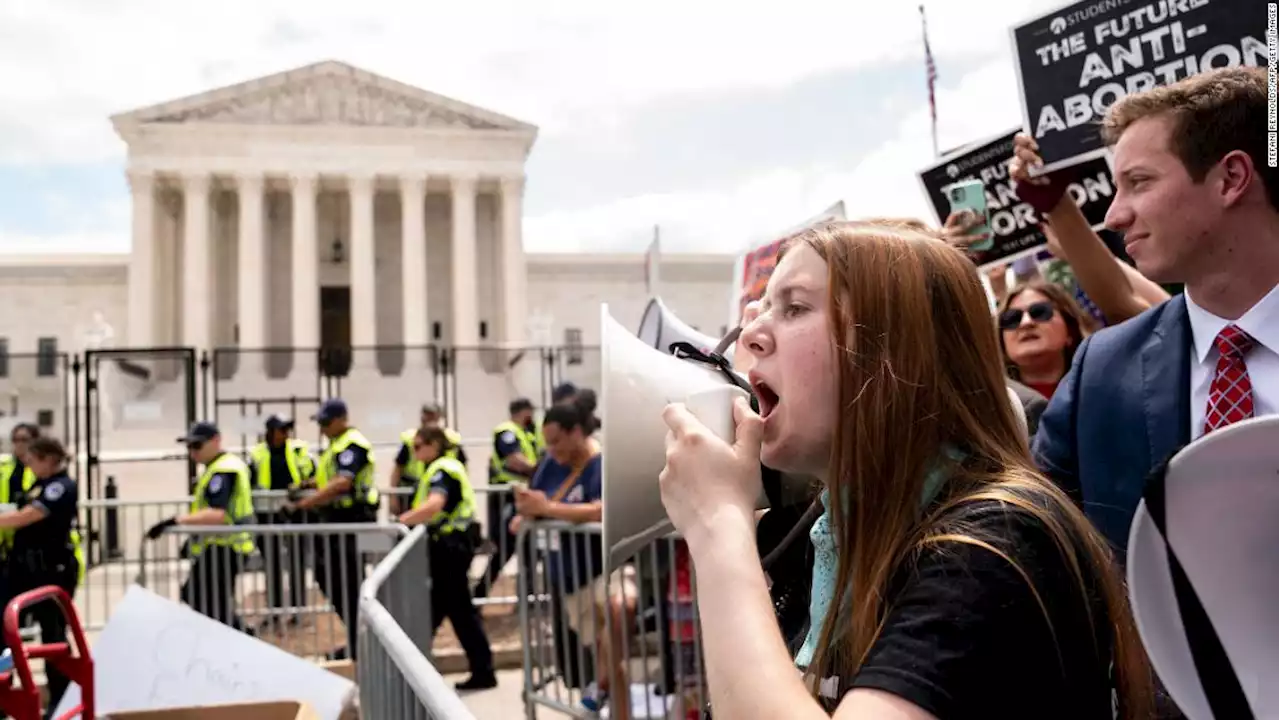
395,677
637,628
221,572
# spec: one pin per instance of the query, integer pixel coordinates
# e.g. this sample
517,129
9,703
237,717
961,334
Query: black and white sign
1076,62
1014,223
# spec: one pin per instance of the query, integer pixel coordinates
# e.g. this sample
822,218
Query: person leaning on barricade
345,493
516,447
446,503
281,463
567,487
46,546
407,470
223,497
950,578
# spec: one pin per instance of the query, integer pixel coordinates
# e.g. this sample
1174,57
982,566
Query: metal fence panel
638,625
39,388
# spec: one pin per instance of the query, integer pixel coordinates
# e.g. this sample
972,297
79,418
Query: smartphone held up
971,195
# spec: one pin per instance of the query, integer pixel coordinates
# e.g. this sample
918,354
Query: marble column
514,289
253,271
363,272
142,261
466,330
305,291
413,261
197,305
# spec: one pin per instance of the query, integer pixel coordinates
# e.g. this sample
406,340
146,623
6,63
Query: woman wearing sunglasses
1040,328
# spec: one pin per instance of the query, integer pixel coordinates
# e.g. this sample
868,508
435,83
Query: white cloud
573,67
882,183
67,64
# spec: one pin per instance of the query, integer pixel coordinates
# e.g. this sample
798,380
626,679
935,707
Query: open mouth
766,397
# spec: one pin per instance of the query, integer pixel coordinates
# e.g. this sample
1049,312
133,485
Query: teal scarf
823,586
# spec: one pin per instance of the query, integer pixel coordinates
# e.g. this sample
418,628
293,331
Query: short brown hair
46,447
1213,114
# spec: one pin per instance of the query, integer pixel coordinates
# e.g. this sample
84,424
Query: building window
573,345
47,357
44,418
4,357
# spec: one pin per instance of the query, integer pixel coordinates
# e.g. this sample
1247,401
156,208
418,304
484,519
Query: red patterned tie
1231,394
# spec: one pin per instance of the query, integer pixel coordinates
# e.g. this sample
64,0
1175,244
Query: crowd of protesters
955,569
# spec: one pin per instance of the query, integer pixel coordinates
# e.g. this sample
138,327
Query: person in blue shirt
568,487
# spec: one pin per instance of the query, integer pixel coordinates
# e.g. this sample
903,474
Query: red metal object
23,702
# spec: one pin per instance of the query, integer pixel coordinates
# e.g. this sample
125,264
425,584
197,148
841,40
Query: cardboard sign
155,653
752,270
1076,62
1013,222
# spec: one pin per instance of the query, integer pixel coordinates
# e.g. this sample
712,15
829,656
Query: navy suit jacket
1123,408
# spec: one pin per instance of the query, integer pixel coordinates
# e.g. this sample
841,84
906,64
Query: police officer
407,469
46,548
281,462
15,477
345,493
223,496
446,503
514,459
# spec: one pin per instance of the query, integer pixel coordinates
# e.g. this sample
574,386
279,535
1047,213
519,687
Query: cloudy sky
721,122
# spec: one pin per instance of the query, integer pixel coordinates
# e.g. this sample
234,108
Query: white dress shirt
1262,322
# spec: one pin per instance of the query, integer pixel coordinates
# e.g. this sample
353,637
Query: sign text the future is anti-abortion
1075,63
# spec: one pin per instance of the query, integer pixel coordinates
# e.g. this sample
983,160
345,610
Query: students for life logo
1057,25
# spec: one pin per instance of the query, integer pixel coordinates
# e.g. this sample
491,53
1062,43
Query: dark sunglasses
1040,312
21,439
195,445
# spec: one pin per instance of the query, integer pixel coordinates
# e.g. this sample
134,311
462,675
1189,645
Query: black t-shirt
964,636
57,498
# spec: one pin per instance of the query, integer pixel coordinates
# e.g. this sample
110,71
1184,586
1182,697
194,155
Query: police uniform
339,569
508,438
216,560
411,468
15,479
452,546
46,552
281,468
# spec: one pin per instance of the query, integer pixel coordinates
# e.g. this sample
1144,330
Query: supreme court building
331,207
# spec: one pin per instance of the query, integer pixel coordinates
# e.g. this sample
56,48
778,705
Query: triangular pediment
327,93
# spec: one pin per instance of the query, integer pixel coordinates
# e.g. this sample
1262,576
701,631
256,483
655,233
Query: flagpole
931,75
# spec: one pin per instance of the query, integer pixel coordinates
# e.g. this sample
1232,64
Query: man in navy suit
1196,200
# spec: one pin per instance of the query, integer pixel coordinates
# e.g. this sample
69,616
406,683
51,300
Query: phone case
971,195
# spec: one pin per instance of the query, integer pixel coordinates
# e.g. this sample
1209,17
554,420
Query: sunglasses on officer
1040,312
195,445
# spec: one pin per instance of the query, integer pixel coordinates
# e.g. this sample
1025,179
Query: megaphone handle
714,407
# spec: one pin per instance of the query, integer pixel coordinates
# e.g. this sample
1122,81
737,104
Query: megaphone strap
688,351
1217,676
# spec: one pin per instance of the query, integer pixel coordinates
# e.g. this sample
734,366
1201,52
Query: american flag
931,72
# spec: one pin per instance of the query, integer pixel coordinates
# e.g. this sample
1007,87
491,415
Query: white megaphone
661,329
637,383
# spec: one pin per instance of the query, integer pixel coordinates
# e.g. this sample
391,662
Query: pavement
501,703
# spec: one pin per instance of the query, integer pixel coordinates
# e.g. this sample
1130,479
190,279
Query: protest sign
1014,223
1076,62
752,270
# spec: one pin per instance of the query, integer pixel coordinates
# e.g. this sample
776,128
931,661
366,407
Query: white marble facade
248,200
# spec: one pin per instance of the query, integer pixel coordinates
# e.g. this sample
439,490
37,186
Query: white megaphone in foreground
637,383
660,329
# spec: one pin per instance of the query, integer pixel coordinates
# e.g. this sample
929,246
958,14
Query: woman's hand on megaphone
709,486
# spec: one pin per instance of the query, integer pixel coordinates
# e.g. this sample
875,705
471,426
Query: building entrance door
335,331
